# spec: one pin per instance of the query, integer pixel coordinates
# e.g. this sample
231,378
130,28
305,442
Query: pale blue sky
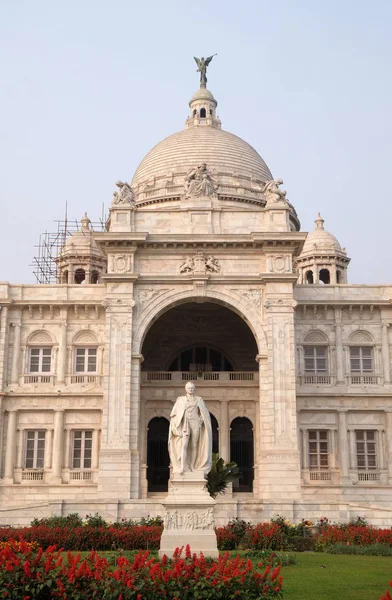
89,86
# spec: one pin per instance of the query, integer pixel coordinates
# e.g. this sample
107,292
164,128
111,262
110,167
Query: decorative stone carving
200,264
190,520
279,263
125,196
190,434
272,193
273,303
123,303
202,64
147,294
200,182
120,263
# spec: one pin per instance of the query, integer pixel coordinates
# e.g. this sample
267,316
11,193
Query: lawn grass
343,578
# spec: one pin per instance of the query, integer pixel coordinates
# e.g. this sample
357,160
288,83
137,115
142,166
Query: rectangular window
82,449
35,449
318,446
315,358
40,360
366,449
361,359
86,360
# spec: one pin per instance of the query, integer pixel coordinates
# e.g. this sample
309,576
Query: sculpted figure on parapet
273,193
125,194
200,182
190,434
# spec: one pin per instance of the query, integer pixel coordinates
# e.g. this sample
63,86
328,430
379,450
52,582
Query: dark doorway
215,435
158,461
241,452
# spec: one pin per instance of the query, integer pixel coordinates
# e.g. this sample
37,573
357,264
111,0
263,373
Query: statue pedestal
189,516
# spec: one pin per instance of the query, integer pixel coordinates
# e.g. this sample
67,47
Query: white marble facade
203,274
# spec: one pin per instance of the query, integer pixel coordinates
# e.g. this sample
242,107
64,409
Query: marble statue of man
190,434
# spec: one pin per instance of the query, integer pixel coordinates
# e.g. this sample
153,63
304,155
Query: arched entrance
214,347
242,452
157,455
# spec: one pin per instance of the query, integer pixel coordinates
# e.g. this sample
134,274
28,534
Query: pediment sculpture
200,264
273,193
200,182
125,195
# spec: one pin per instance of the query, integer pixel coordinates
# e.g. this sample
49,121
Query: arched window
158,461
40,346
362,367
202,113
195,112
309,277
80,276
324,276
94,276
242,453
200,358
85,353
315,357
215,434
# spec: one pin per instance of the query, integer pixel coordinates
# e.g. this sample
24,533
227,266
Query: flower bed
27,574
352,534
133,537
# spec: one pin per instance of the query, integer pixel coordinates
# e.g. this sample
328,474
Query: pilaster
15,354
10,448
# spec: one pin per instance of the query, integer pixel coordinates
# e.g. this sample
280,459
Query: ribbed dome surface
219,149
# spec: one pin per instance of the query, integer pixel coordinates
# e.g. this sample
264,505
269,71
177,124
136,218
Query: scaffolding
50,244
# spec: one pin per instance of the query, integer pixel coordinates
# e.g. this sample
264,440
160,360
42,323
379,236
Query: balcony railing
208,376
38,379
310,379
84,378
320,476
364,379
32,475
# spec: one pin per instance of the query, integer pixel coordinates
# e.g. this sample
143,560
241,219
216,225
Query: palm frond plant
221,475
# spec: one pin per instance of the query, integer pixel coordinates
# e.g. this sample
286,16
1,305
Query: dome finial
85,222
319,221
202,64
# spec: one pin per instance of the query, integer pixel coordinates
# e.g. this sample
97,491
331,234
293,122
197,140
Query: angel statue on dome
202,64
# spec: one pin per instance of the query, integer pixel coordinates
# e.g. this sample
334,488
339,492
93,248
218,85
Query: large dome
236,168
223,153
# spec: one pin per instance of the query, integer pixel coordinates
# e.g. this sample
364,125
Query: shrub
266,535
300,543
370,550
28,574
71,520
226,539
360,535
95,521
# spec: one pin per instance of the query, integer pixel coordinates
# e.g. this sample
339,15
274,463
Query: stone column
305,455
280,475
19,457
95,449
388,417
15,355
340,367
10,447
120,410
48,449
3,343
58,449
224,431
385,353
67,453
344,451
62,355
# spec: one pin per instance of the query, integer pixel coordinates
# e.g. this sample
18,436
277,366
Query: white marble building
203,274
